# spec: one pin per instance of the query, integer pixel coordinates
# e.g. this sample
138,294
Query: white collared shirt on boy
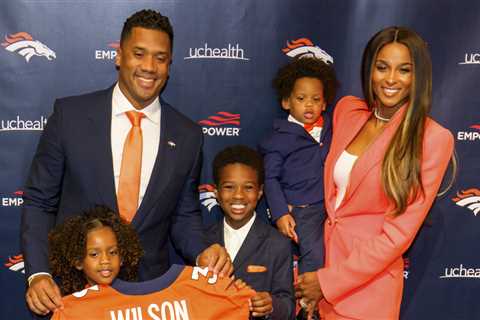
316,132
234,238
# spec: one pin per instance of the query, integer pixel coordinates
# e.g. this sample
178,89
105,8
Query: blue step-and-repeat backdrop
225,55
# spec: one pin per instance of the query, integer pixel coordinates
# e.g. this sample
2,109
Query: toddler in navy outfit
294,154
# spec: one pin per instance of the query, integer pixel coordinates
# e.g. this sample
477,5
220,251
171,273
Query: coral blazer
363,273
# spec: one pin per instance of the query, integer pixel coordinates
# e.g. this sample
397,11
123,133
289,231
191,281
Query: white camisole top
341,175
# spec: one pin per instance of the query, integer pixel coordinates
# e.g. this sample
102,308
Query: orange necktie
129,182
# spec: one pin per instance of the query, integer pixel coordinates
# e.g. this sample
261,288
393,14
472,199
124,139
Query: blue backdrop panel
225,55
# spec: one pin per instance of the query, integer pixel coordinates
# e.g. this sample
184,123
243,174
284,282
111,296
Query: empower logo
15,201
16,263
207,196
470,135
469,199
303,47
231,52
23,44
19,124
109,54
216,125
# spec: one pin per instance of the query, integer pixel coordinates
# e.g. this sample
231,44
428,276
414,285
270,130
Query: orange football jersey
183,293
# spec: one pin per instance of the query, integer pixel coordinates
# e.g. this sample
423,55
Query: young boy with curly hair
93,248
294,154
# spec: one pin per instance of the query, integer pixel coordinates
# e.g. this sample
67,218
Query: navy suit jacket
294,165
264,246
72,171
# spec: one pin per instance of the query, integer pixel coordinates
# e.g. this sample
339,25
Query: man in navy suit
261,255
79,157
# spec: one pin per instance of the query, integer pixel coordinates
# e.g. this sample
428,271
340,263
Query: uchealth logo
230,52
15,200
207,196
469,199
15,263
471,58
304,47
20,124
461,272
221,124
108,54
23,44
470,135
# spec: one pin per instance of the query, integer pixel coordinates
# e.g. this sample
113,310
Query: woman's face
392,75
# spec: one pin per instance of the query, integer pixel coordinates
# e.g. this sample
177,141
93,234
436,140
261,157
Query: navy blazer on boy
264,246
294,165
72,171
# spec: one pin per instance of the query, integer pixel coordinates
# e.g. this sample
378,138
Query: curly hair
309,67
238,154
67,246
148,19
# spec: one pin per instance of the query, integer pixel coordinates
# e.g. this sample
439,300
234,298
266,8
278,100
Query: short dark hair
238,154
310,67
148,19
67,246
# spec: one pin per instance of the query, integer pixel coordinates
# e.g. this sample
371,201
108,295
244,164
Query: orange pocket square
256,269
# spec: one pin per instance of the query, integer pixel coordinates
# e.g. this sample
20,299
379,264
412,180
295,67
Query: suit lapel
339,143
100,116
286,126
373,156
250,245
164,164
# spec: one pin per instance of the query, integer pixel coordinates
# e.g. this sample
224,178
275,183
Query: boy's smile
238,192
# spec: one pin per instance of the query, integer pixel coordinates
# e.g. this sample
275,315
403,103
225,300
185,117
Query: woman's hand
309,291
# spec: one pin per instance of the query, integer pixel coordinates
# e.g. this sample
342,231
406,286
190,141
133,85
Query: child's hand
286,225
240,284
261,304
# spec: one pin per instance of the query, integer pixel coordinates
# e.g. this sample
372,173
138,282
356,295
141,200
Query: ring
303,304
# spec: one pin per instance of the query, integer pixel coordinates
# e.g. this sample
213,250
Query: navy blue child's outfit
294,175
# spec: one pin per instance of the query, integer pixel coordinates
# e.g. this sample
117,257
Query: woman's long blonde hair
401,168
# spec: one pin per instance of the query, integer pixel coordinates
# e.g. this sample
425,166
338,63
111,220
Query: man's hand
261,304
217,259
43,295
286,225
308,289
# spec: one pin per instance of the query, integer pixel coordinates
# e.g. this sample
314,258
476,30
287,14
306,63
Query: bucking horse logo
23,44
469,199
303,47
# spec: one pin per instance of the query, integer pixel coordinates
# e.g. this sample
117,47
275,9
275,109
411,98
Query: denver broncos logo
16,263
469,198
23,44
303,47
207,196
475,126
222,118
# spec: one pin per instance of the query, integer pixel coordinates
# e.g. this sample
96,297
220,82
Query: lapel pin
171,144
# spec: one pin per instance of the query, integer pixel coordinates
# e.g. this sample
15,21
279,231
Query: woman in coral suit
382,174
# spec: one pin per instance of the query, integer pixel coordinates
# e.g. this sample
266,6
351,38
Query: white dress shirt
150,125
234,237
